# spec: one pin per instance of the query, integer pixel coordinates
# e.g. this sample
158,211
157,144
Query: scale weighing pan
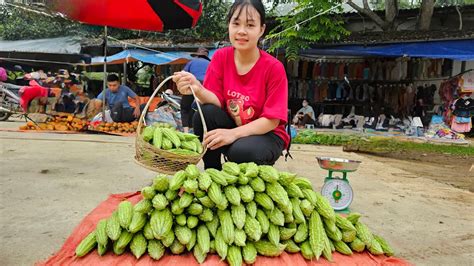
338,164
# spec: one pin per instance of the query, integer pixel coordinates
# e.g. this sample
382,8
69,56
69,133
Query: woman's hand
219,137
184,81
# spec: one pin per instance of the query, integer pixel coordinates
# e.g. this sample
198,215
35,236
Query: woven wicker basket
158,160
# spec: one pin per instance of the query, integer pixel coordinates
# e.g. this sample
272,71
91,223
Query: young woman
244,96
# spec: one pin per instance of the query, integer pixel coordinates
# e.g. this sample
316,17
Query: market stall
390,89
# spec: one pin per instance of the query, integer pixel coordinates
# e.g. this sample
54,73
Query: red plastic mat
65,256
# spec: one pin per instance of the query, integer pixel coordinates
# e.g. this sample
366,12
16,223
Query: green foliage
326,27
378,144
18,24
211,26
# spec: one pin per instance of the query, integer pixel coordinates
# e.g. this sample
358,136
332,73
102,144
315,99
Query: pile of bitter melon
239,212
164,136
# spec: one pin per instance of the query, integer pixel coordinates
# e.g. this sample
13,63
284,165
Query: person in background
305,115
29,93
116,97
197,67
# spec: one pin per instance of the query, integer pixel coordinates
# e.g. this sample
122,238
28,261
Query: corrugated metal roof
61,45
153,44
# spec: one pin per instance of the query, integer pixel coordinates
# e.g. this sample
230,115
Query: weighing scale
336,189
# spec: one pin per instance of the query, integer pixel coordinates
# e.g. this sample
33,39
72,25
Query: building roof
380,37
152,44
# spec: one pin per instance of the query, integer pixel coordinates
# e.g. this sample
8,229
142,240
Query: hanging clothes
316,71
324,70
323,90
340,91
332,91
394,100
304,69
365,92
330,73
340,71
316,92
402,100
289,68
309,71
439,68
380,70
335,72
397,70
295,68
389,65
386,100
310,91
365,71
403,69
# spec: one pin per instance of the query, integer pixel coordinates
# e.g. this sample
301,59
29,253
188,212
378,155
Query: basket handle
142,116
204,126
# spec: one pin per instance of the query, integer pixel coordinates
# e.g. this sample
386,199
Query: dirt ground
49,182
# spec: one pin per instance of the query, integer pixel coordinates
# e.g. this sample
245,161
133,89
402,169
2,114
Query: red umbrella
151,15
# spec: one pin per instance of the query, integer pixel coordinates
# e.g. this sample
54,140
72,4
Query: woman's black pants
261,149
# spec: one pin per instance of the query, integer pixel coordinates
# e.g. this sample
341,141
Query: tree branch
369,13
366,4
391,12
426,12
460,17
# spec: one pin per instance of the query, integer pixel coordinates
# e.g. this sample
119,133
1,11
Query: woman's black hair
239,5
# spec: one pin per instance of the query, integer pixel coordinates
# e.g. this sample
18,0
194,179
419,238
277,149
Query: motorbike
173,100
10,101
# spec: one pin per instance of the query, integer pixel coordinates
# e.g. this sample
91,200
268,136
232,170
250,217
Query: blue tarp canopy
156,58
462,50
133,55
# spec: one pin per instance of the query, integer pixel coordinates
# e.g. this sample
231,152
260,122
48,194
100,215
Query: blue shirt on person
121,95
197,67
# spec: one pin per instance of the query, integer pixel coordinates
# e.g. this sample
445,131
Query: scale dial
338,192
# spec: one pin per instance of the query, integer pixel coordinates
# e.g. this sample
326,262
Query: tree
20,24
300,28
391,8
426,13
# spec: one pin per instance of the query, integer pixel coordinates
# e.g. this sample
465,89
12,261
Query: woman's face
245,29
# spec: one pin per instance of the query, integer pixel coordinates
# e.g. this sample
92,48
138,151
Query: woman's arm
205,96
185,80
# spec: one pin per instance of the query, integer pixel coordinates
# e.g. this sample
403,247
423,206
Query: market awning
62,45
156,58
462,50
133,55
